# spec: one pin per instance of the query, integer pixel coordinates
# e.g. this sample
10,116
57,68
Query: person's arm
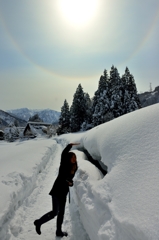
66,150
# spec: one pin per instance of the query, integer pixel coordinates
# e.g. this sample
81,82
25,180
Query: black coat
61,187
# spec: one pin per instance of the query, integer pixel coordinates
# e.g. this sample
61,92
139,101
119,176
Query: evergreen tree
100,107
64,120
78,110
35,118
87,124
131,100
126,96
115,93
114,97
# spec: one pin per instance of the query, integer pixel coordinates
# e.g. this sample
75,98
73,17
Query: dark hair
70,155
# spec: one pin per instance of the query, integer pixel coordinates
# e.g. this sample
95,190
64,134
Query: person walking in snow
59,191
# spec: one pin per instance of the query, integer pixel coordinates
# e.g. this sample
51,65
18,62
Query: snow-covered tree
115,93
87,124
100,106
131,100
11,133
35,118
78,110
114,97
64,120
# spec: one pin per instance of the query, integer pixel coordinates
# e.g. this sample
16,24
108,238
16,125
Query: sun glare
78,12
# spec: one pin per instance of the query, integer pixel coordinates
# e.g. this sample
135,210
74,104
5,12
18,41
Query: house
33,129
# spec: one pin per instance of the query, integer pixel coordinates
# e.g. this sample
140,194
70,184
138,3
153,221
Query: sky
48,48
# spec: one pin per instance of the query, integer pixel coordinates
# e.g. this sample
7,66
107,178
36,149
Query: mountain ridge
21,116
47,115
6,119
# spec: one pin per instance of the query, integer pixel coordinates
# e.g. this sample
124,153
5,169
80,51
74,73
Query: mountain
149,98
47,115
7,119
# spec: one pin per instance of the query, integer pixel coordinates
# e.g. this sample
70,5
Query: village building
33,129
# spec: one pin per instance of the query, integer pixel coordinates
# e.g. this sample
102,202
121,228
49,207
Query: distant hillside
149,98
7,119
47,115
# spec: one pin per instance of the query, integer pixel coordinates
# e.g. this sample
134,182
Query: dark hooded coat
61,185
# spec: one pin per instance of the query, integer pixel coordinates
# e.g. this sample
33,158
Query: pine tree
100,107
116,93
125,95
131,100
114,97
64,120
35,118
78,110
87,124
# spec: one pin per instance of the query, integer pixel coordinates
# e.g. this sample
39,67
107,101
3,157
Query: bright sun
78,12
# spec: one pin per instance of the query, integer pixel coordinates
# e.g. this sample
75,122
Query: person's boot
47,217
37,226
61,234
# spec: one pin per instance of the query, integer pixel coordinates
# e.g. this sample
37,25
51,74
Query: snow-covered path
38,203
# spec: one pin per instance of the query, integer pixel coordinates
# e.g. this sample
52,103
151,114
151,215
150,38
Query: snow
123,205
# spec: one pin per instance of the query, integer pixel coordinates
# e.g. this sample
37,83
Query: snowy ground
25,185
123,205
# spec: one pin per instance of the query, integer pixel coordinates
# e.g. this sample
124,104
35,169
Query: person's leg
60,216
48,216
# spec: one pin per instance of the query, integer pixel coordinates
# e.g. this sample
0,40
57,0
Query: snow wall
123,205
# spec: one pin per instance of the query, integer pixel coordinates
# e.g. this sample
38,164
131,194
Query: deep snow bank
124,204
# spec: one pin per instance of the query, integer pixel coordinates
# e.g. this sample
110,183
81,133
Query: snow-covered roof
39,123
